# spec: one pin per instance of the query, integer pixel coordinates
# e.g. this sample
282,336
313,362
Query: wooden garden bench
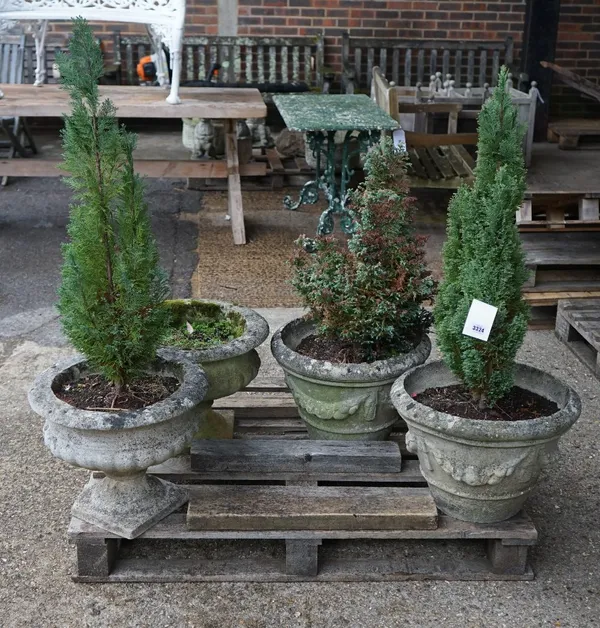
243,59
410,62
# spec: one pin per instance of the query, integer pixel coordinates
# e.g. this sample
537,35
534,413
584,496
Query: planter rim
322,370
542,428
257,330
192,389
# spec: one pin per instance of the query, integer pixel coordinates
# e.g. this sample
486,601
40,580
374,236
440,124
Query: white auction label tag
480,320
399,139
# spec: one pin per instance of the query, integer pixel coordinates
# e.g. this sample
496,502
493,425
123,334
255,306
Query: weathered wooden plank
441,162
432,172
307,64
471,67
415,162
458,68
234,196
310,508
284,64
482,67
466,157
272,64
96,556
306,457
519,529
396,66
153,168
260,63
507,559
138,102
456,163
420,65
370,64
302,557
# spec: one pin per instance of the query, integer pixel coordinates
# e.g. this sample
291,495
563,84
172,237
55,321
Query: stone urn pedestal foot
140,499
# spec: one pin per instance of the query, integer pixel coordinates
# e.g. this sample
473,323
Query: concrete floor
36,490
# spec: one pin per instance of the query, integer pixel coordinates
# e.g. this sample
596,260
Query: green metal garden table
321,116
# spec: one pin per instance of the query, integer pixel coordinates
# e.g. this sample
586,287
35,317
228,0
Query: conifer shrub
368,292
112,286
483,258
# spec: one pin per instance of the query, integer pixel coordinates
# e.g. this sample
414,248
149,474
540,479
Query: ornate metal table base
322,144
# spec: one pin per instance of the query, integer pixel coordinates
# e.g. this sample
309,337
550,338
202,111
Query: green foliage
483,258
112,286
201,325
369,291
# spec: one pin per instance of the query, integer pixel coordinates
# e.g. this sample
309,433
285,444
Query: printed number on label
479,329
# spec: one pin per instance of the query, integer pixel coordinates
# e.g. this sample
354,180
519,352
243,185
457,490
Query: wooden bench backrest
11,59
247,59
410,62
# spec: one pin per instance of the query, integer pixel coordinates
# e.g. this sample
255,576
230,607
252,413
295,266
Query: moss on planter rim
212,326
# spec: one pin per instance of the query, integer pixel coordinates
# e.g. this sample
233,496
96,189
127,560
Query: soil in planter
518,405
341,351
201,326
95,392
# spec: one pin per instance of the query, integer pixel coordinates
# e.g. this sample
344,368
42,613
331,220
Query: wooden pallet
562,262
568,132
304,511
280,173
578,326
567,211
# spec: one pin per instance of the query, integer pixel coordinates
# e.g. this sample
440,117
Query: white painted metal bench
164,20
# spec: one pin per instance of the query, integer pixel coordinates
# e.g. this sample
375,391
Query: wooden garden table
321,116
230,105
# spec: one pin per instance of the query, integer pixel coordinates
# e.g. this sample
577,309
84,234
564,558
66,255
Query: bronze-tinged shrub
369,290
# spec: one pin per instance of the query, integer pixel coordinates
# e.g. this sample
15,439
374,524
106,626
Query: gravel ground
36,561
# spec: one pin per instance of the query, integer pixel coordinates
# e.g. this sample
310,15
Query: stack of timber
578,326
269,505
562,266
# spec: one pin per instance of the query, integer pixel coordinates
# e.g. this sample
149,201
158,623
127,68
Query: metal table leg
323,144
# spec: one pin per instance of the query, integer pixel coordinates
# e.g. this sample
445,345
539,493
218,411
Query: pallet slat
282,508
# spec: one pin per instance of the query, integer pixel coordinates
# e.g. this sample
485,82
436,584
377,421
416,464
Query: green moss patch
201,325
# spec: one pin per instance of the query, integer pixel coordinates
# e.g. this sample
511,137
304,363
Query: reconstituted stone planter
122,445
482,471
341,401
232,365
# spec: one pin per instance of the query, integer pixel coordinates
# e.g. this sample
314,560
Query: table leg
234,186
337,193
309,194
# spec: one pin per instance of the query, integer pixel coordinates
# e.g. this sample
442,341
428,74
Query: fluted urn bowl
122,444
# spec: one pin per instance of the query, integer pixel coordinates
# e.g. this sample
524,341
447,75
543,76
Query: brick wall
425,19
578,49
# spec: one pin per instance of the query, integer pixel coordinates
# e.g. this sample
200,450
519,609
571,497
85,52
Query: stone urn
122,445
229,366
342,401
482,471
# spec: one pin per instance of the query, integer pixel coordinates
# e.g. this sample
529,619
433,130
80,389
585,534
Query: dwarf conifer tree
483,259
112,285
369,291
